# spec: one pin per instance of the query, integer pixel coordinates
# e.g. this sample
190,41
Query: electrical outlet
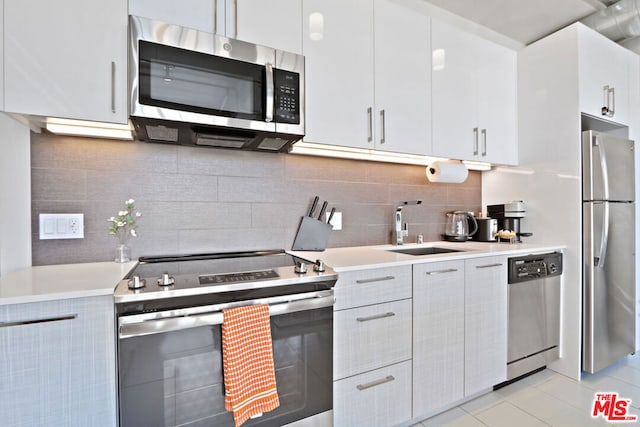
336,220
61,226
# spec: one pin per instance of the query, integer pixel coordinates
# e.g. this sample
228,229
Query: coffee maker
509,216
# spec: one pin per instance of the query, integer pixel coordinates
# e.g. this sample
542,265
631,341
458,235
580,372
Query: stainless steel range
169,314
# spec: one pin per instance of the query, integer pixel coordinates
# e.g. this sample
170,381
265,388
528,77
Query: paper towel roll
455,172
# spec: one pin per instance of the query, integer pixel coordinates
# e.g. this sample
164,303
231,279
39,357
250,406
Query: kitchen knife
333,210
313,206
322,210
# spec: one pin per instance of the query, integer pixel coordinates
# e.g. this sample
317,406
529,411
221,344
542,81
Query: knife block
312,235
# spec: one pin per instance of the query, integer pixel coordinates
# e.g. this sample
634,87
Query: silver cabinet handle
375,279
235,18
489,265
375,317
34,321
448,270
215,16
382,137
370,116
381,381
270,93
612,106
113,87
484,142
475,141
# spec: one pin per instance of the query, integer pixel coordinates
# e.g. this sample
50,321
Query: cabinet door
198,14
60,371
485,319
273,23
66,59
376,398
604,63
438,335
454,87
339,73
496,71
402,79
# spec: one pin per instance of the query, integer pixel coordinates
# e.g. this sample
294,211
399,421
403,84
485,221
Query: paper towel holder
447,171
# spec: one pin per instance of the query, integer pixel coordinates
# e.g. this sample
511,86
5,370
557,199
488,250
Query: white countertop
51,282
359,257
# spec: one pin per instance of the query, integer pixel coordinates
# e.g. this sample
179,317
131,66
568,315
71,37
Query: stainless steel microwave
191,87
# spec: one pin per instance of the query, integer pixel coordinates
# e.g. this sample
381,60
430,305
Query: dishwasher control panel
532,267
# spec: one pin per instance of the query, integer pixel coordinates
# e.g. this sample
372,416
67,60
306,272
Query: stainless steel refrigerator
609,276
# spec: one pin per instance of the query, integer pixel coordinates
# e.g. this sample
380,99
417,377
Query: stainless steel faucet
400,233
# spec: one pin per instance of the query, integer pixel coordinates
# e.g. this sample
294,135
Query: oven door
171,375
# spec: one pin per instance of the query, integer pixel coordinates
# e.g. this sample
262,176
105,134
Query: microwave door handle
270,93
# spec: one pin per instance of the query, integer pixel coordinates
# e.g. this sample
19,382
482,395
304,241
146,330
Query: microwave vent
273,144
221,141
162,133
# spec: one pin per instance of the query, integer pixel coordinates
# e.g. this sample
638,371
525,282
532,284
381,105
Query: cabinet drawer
369,337
377,398
366,287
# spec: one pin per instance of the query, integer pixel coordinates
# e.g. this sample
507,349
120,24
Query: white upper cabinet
473,97
66,58
368,77
339,73
402,83
606,74
198,14
273,23
1,55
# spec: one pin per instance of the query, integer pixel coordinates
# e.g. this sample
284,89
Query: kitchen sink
424,251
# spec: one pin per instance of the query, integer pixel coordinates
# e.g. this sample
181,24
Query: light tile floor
548,399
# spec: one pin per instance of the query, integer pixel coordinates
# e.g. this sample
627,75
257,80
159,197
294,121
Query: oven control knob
166,280
136,282
319,266
300,268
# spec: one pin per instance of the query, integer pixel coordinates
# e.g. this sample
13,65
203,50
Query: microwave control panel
287,96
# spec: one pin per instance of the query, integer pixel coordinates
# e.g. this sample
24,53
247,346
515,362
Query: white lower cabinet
372,347
376,398
57,363
459,330
438,335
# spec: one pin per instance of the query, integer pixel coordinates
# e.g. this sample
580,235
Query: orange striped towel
249,373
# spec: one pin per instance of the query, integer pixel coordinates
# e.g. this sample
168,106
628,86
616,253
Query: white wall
15,195
549,178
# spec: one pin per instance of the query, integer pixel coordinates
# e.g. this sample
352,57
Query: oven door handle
169,324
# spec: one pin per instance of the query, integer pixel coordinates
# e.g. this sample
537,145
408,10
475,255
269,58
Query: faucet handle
405,230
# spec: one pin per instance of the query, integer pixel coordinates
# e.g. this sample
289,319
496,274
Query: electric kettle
457,228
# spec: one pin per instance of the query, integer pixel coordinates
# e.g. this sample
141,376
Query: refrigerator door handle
603,168
599,260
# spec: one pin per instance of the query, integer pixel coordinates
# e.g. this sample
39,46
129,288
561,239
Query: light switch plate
61,226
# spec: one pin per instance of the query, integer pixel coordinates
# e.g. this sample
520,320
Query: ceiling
523,20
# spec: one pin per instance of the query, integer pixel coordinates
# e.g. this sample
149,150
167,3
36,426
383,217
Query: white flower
120,224
129,202
123,213
112,219
133,233
138,214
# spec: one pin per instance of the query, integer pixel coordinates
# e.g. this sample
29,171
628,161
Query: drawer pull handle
448,270
381,381
375,279
377,316
489,265
33,321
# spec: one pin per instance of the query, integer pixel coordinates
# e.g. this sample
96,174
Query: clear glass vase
123,253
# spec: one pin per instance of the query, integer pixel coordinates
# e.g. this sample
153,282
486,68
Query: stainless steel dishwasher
534,312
